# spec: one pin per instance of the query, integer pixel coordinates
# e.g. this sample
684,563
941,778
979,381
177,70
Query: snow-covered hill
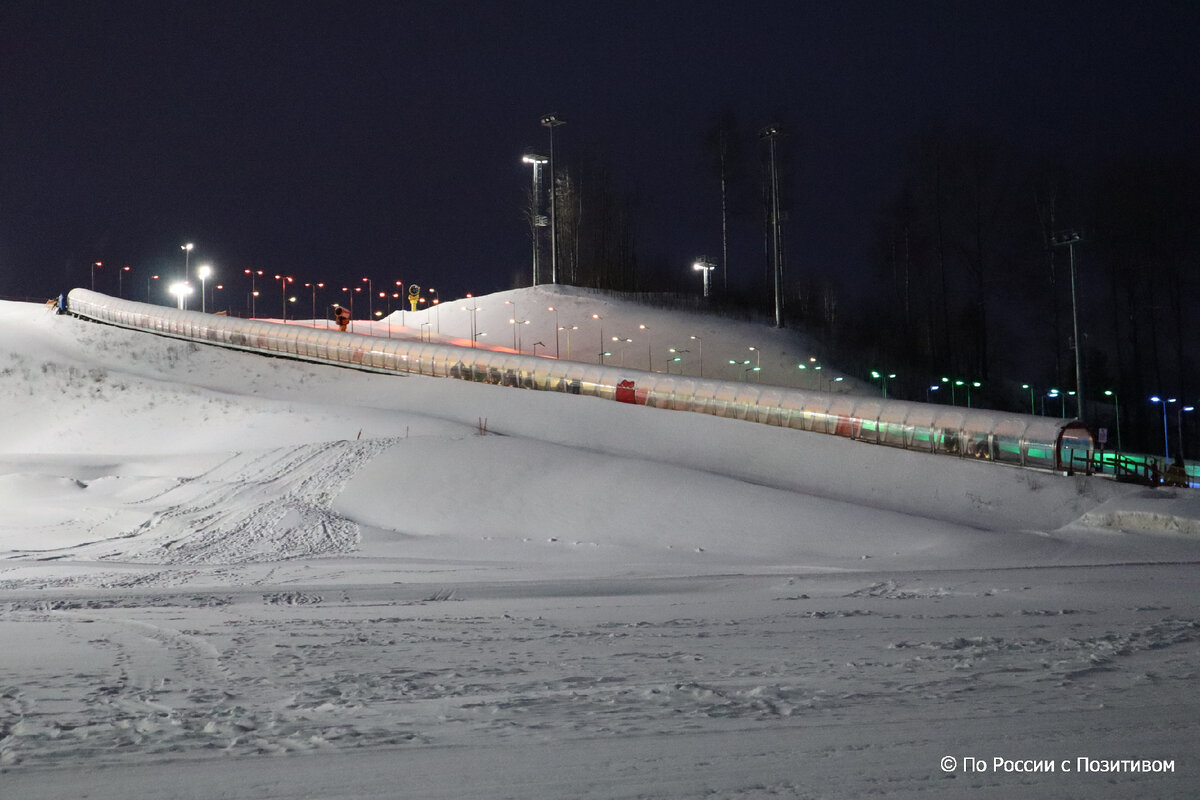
412,587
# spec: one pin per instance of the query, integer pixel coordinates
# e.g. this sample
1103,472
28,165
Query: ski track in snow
254,506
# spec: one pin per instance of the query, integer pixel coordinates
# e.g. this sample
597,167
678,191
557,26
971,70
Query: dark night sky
332,141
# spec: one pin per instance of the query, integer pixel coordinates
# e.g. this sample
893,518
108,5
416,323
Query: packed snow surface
226,575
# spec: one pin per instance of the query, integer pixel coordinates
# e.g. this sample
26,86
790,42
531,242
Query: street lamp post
556,330
882,377
953,394
811,368
600,319
1029,386
346,289
93,267
314,287
568,332
969,384
624,341
204,272
676,357
284,280
473,309
551,121
1068,240
1117,413
187,252
121,280
517,323
700,341
649,350
1179,427
536,220
370,298
1166,437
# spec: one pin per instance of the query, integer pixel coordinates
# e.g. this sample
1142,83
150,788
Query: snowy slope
212,556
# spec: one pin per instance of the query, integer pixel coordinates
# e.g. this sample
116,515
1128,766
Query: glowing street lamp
676,357
474,319
812,368
1029,386
879,376
180,290
600,319
1053,395
203,272
706,267
1117,413
347,290
953,394
623,341
701,343
187,252
1166,438
1179,423
284,280
556,330
969,384
94,265
314,287
516,323
121,279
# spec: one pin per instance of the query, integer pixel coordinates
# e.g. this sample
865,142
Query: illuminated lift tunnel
1000,437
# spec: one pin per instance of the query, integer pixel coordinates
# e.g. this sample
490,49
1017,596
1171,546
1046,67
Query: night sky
333,141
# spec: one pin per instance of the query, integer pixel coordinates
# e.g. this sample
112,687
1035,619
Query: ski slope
225,575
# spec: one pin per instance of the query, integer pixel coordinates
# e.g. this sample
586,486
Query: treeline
972,271
974,266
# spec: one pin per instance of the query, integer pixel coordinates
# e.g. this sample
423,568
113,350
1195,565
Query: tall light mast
771,133
551,121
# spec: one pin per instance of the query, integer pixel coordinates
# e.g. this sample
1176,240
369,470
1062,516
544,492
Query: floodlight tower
1068,240
551,121
536,219
771,133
